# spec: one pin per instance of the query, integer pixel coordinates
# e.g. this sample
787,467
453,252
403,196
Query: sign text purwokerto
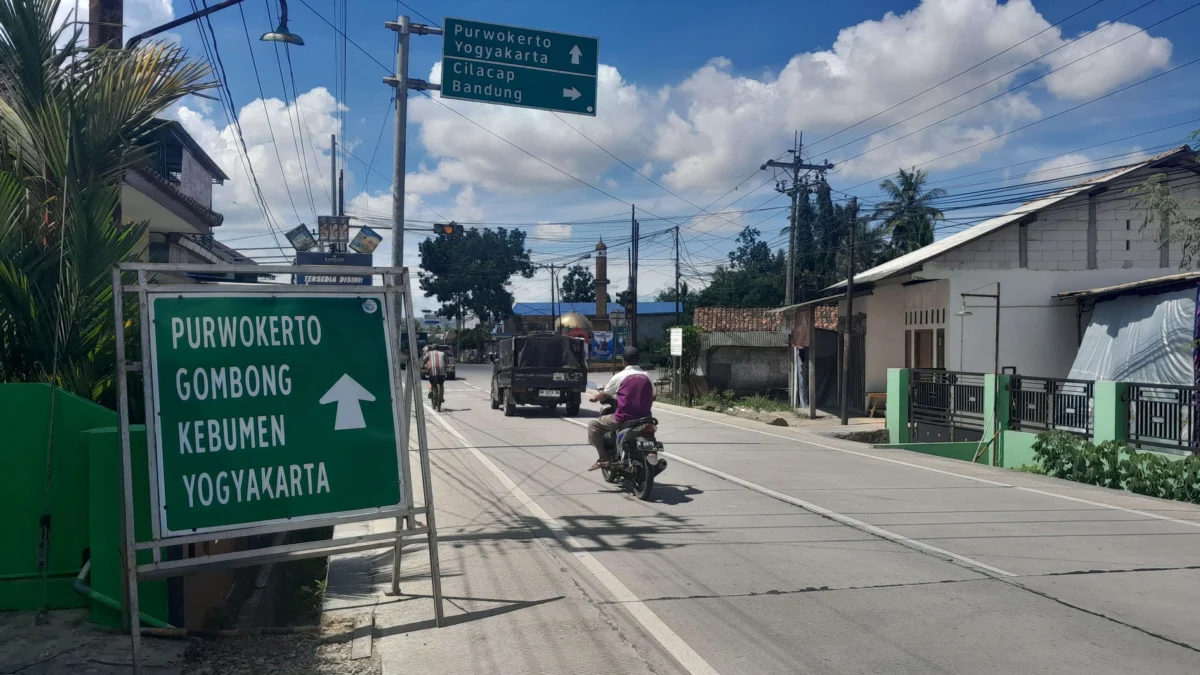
272,408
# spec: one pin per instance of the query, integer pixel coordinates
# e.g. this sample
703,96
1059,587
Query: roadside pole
401,83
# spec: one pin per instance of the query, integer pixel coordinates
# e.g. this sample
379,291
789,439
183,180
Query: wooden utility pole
794,190
105,21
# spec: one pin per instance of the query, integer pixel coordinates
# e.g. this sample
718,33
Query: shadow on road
671,495
466,617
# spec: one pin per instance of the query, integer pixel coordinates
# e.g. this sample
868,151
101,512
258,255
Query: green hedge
1115,464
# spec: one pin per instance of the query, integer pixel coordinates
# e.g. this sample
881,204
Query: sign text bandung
271,408
518,66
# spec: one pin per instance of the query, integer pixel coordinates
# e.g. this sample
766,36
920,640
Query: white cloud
718,221
465,208
1124,62
555,231
270,146
1062,166
717,124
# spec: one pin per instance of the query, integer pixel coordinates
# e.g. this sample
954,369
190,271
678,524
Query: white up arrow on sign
347,393
572,93
575,54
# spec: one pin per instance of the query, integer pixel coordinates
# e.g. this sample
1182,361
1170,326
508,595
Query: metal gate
946,406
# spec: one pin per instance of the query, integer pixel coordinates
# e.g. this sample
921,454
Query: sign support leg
414,378
131,616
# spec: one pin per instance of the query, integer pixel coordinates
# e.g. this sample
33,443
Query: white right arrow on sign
575,54
347,393
572,93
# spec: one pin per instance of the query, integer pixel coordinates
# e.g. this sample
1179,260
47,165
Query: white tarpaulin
1139,339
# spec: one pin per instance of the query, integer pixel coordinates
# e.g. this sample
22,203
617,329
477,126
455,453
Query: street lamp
280,34
966,312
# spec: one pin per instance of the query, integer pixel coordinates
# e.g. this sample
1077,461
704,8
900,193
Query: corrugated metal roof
911,261
1132,286
748,338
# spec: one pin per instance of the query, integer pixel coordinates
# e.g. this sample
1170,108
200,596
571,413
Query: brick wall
1058,240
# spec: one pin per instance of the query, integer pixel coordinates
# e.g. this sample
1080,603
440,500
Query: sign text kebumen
271,408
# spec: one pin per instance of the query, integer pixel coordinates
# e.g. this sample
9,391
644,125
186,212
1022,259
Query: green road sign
272,408
518,66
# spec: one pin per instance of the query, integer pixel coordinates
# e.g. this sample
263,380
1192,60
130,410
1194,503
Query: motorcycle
635,454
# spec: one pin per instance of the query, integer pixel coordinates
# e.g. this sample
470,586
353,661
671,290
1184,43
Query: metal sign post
269,408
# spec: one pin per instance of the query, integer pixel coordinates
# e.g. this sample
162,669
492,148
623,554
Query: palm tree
908,215
72,121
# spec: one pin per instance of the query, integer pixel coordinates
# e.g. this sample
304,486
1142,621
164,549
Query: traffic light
450,228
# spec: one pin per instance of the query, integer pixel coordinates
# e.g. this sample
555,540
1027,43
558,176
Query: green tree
908,214
1166,217
579,285
754,276
687,297
472,272
72,121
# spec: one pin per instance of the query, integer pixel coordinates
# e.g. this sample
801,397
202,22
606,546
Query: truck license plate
548,393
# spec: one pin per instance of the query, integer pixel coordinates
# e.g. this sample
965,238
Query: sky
693,98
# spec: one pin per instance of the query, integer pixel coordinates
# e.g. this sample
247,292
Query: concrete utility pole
633,271
678,300
553,310
793,190
333,201
848,335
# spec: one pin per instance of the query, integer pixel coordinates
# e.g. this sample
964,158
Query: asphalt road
767,550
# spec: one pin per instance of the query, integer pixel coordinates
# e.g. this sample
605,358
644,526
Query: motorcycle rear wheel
641,477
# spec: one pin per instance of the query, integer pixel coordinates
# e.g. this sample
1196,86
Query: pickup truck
540,369
449,362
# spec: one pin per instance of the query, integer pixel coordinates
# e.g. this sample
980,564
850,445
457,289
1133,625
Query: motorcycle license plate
548,393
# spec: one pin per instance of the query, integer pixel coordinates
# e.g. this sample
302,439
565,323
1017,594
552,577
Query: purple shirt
634,393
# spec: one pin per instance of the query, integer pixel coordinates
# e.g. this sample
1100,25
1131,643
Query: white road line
834,515
1114,507
675,645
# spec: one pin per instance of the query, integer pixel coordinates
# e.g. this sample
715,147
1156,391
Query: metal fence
946,405
1163,417
1045,403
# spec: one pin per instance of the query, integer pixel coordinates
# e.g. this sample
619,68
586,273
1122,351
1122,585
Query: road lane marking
675,645
1080,500
833,515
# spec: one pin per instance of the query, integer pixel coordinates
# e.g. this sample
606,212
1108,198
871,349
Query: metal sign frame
398,304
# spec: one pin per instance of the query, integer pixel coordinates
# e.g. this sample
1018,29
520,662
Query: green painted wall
104,521
25,418
1016,449
899,430
963,451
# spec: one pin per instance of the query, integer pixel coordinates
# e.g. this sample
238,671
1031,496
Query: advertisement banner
602,345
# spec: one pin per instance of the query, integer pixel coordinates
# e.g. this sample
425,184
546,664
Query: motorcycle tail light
649,429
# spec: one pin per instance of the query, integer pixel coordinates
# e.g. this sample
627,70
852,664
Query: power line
1043,119
1001,94
959,74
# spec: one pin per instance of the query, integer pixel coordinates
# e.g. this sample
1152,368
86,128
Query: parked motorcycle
635,454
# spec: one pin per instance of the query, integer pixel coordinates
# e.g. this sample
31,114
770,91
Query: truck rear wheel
510,404
573,405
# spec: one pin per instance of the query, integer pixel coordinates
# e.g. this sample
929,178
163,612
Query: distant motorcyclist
634,394
434,364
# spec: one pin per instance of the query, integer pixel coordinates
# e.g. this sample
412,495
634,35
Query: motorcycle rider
434,364
634,392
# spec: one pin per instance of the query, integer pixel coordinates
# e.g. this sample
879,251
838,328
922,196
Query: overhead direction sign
272,408
516,66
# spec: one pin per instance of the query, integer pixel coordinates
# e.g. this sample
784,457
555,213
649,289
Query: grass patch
722,401
300,586
1032,468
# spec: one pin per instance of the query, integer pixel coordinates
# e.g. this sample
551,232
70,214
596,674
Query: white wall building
1085,236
